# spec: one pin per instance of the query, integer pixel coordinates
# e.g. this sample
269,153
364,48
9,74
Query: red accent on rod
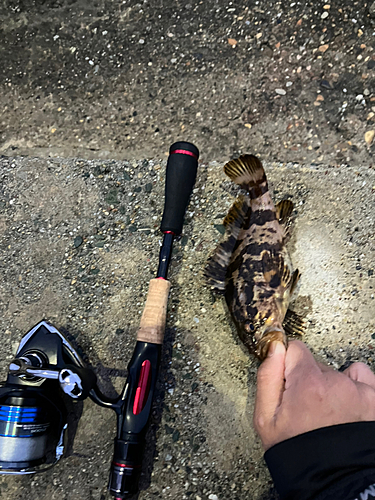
184,152
123,465
143,388
169,232
160,278
126,466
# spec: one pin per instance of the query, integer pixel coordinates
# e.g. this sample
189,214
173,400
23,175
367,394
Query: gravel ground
79,242
293,81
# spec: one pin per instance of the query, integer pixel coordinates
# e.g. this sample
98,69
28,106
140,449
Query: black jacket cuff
332,462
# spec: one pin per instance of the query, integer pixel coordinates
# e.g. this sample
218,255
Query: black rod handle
180,178
165,256
133,420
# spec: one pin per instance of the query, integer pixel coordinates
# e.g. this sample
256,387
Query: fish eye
249,327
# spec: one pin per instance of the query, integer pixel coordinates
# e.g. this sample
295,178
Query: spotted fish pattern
252,267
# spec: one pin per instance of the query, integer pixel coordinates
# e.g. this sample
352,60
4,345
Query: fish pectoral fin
275,270
294,324
284,210
271,264
236,214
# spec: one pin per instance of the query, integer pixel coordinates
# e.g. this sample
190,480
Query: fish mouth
268,337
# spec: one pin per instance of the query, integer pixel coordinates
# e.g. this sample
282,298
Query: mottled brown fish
252,266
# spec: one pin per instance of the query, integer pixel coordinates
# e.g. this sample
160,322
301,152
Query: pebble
78,240
323,48
280,91
324,15
213,497
371,64
141,41
372,10
326,85
369,137
220,228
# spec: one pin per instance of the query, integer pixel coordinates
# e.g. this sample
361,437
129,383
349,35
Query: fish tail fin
246,171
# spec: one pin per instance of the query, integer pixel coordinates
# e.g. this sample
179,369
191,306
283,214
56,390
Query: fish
251,267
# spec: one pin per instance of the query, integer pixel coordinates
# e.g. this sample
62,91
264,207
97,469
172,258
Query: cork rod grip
154,315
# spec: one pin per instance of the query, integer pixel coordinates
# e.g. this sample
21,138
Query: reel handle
74,381
180,178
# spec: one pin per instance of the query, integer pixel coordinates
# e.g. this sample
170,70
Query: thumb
270,384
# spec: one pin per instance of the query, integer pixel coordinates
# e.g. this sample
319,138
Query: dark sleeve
336,462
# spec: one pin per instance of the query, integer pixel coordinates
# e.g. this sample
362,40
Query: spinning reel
48,372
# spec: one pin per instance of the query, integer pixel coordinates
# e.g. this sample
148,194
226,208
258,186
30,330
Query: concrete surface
201,442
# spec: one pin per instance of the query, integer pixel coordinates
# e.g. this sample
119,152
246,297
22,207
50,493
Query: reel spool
47,372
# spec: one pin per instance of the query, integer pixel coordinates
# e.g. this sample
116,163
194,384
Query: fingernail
276,347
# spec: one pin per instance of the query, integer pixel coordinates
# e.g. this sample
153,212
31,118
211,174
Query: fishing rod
47,371
143,367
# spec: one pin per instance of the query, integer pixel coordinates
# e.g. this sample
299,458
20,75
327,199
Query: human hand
296,394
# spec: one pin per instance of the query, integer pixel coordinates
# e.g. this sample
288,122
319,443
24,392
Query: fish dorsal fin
293,323
294,281
284,210
247,171
217,265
